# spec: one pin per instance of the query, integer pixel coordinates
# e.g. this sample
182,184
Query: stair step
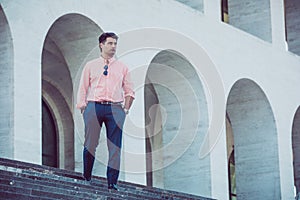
97,184
14,192
77,185
41,183
41,168
67,192
20,180
5,195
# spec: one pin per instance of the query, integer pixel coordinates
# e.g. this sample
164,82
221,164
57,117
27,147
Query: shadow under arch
176,121
6,88
296,149
255,142
68,43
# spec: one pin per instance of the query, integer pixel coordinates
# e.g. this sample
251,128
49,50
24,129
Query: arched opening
292,21
253,17
296,150
68,43
6,88
176,117
255,142
49,138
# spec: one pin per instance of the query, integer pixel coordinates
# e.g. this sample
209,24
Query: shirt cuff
130,95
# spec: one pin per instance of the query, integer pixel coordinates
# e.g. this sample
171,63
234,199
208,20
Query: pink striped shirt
95,86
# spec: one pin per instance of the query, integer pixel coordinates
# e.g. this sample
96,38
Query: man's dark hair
103,36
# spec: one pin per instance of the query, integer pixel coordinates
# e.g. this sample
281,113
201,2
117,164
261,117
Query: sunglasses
105,70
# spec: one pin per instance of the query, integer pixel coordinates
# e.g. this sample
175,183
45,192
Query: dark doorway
296,150
49,138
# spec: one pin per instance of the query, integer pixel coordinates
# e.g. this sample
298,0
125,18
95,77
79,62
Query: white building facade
216,112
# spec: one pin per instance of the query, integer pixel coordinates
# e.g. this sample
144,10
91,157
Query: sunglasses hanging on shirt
105,73
105,70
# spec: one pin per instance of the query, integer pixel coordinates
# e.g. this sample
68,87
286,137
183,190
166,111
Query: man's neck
106,57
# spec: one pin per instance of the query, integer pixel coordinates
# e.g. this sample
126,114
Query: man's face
109,46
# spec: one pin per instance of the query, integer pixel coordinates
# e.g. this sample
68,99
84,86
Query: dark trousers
113,116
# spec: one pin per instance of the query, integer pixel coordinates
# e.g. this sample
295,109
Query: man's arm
128,102
82,90
128,91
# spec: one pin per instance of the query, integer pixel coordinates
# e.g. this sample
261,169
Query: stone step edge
67,173
52,190
141,192
95,187
32,193
11,195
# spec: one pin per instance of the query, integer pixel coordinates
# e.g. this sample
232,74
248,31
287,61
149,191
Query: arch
296,149
292,21
68,43
251,16
6,88
176,117
255,142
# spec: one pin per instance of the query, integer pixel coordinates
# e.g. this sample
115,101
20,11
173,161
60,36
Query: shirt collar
111,60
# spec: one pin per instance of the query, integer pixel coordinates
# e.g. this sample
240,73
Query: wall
234,55
6,88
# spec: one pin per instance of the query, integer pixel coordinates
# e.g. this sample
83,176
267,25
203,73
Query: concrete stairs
20,180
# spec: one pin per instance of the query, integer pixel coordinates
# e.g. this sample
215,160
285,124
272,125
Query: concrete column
134,146
6,88
27,102
278,24
212,9
288,139
218,157
27,38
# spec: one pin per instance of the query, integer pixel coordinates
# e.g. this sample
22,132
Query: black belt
108,103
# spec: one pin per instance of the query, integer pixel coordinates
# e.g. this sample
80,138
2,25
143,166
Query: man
105,95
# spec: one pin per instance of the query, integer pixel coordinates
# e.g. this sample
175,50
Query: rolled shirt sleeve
128,85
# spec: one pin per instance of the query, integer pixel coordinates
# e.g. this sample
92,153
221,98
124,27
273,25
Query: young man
105,95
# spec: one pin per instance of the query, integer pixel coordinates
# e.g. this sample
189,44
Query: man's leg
92,133
88,163
114,125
